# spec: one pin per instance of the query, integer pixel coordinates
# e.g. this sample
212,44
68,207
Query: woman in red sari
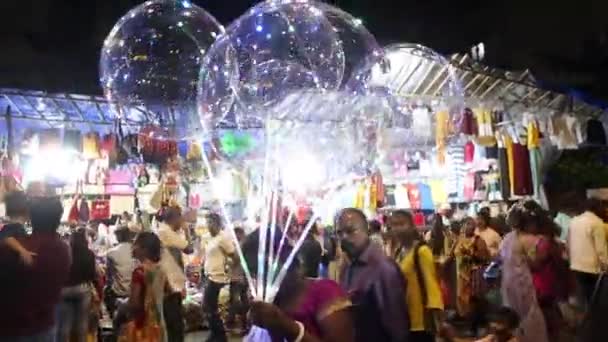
305,308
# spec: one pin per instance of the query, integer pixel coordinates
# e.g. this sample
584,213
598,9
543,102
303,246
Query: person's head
437,235
483,218
172,216
240,233
526,216
123,234
503,323
352,228
126,216
16,205
78,240
147,247
468,226
375,227
455,227
400,220
214,224
45,214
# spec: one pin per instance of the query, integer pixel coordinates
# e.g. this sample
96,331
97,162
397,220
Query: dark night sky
53,45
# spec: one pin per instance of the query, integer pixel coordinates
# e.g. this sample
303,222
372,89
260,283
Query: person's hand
270,317
27,257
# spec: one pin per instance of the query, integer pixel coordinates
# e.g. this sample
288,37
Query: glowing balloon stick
229,224
271,256
292,255
264,224
275,263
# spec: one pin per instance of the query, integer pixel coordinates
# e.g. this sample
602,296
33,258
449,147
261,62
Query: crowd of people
359,280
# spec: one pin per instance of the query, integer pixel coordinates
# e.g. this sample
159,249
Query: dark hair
484,215
150,244
437,235
374,226
505,316
82,269
362,224
45,214
214,218
16,204
123,234
525,214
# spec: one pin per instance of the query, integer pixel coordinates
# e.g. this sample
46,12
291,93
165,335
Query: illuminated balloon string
275,263
263,229
275,285
229,224
273,209
271,255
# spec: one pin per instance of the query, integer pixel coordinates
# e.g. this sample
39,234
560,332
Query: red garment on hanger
522,182
414,195
419,220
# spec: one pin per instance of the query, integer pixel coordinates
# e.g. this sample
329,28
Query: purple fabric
376,288
319,295
518,290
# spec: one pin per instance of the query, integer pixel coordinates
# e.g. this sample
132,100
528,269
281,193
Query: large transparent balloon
275,49
150,61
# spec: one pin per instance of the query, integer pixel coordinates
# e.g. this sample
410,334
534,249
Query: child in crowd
18,213
504,323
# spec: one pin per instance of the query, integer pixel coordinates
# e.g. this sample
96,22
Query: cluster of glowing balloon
152,58
275,49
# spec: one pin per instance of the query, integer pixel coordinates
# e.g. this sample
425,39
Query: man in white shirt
119,265
176,242
588,251
218,250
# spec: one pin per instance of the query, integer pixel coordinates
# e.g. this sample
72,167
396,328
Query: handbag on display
100,209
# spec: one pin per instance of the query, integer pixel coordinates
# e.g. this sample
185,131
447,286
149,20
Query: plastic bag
257,334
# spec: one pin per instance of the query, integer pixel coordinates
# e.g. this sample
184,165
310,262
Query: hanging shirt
521,169
438,191
510,163
441,134
402,199
426,199
457,169
533,134
414,195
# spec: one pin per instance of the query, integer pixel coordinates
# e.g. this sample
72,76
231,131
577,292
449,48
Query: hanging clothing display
521,169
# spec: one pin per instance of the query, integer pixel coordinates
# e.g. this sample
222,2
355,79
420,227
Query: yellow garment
533,135
485,128
441,133
360,196
413,293
438,191
509,147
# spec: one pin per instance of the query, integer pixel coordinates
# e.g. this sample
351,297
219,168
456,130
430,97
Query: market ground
201,336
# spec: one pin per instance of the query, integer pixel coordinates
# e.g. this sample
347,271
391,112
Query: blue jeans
47,336
74,313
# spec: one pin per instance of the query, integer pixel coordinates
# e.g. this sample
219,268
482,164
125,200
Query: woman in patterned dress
518,291
148,286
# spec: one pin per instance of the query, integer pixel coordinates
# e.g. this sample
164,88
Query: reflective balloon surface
275,49
152,58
